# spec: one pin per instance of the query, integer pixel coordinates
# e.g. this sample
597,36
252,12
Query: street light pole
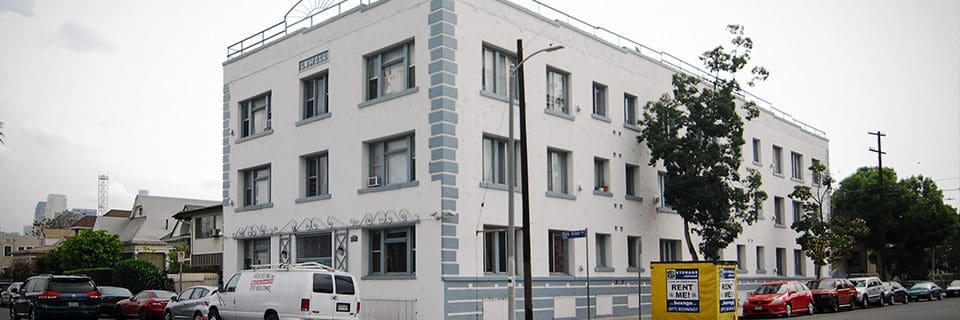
517,75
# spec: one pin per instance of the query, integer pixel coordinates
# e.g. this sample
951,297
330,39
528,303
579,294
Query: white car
953,289
293,291
869,291
192,303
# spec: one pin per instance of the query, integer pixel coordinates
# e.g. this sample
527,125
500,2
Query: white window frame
375,65
250,251
499,70
498,235
670,250
662,185
558,102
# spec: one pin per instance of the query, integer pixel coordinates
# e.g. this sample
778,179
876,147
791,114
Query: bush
100,276
137,275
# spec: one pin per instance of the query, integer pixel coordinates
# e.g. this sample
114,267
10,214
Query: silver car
192,303
6,297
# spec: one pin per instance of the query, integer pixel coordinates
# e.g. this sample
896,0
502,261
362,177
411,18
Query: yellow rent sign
694,290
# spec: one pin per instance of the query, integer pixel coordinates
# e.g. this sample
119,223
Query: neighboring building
85,223
53,237
29,230
39,210
56,203
141,228
201,228
13,244
401,180
84,212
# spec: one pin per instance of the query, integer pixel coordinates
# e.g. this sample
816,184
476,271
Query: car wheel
835,305
214,315
906,299
880,302
789,310
142,315
864,302
853,304
810,309
198,316
32,315
939,296
167,316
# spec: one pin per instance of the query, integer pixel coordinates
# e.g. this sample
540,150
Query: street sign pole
586,243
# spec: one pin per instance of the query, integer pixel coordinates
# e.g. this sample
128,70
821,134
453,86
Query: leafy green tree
89,249
697,133
913,213
173,264
137,275
20,270
823,240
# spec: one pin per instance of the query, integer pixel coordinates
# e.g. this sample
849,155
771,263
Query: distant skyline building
28,230
38,212
55,203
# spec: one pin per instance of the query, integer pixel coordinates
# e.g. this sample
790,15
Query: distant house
85,223
12,245
141,228
201,229
53,237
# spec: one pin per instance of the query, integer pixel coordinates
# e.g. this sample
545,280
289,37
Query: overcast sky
133,88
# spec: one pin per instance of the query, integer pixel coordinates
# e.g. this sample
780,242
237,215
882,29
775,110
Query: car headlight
777,301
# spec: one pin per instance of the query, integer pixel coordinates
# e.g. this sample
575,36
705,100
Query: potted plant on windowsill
605,188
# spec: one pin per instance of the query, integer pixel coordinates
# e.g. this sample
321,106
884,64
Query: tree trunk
819,270
690,247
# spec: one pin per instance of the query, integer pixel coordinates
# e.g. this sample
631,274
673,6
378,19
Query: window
557,171
799,263
630,109
185,294
7,251
603,251
815,176
669,250
558,91
662,182
495,249
256,186
497,71
756,150
601,174
316,96
631,174
778,211
315,248
391,161
316,174
495,160
777,161
390,71
393,250
344,285
741,257
797,211
634,249
322,283
796,165
255,115
206,227
256,252
781,261
558,252
599,99
760,262
231,285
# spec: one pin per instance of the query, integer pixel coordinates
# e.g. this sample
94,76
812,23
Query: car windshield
921,286
71,285
821,284
115,292
160,294
860,283
771,288
955,283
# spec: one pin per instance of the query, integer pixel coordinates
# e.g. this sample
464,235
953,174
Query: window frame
409,152
600,100
310,162
761,261
199,230
551,103
796,165
375,61
378,237
499,236
503,61
779,218
247,119
312,108
250,251
499,161
634,253
602,244
564,162
662,185
814,176
631,115
670,250
559,260
797,207
781,257
630,173
756,151
799,263
741,258
249,180
601,174
319,258
777,160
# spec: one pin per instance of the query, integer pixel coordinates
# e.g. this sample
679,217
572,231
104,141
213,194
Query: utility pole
525,184
883,215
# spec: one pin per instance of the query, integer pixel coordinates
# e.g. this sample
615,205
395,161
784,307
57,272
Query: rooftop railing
319,11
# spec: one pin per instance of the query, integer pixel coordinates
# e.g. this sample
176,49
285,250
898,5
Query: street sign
181,256
574,234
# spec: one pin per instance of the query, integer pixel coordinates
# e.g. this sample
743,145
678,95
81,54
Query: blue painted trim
443,53
604,269
444,167
448,256
632,127
449,243
313,198
448,230
633,198
442,28
499,186
449,192
443,104
407,276
443,141
600,117
441,4
388,97
445,16
442,65
559,114
603,193
450,268
445,179
448,205
254,136
393,186
442,40
443,128
443,154
443,78
254,207
443,115
559,195
313,119
442,91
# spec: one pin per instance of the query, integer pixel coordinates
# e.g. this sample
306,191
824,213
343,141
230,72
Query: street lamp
511,185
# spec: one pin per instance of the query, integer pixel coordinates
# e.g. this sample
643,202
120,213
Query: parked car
833,294
6,297
109,297
869,291
928,290
192,303
4,283
307,290
49,296
146,304
895,292
779,298
953,289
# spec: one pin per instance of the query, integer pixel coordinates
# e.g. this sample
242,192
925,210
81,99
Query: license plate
73,304
757,308
343,307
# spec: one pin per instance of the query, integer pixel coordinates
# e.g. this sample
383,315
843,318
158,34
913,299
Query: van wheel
271,316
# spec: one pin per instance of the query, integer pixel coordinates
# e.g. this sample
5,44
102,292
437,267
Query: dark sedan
894,292
925,290
109,297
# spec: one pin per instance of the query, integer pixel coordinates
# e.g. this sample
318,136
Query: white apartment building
373,140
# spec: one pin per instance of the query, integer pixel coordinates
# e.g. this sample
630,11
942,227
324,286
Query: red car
832,294
146,304
779,298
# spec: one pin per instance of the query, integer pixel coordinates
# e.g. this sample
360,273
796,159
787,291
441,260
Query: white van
292,291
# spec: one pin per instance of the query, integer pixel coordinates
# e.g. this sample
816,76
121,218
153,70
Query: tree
916,219
137,275
823,240
62,220
697,133
173,262
89,249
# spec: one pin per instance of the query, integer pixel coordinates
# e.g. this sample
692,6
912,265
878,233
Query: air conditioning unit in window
373,181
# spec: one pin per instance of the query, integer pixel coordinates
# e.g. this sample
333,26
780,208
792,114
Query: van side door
322,298
345,298
228,298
